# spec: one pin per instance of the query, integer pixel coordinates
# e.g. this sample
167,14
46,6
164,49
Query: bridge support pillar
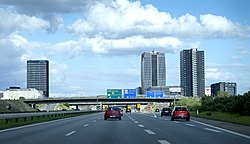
33,106
101,105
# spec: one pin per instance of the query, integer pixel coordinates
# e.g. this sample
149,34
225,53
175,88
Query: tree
193,103
222,94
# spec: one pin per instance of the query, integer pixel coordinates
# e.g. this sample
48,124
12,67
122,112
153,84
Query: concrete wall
15,94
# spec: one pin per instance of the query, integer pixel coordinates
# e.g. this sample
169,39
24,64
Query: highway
134,128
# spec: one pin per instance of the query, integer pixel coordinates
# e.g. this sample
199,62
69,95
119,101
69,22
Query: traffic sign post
114,93
129,93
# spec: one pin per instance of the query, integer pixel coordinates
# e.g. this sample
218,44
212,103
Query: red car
113,113
180,112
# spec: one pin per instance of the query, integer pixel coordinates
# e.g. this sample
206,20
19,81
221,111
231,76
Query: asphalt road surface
134,128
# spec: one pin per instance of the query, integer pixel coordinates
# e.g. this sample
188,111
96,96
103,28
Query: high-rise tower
192,72
153,70
38,75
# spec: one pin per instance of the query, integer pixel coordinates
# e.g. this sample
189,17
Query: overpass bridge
100,100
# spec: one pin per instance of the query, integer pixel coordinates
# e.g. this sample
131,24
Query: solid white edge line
228,131
70,133
149,132
163,142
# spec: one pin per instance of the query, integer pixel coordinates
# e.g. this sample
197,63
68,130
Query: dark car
165,112
128,110
180,112
112,113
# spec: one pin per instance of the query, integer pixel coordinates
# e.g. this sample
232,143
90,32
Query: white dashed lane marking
149,132
86,125
140,125
70,133
190,125
163,142
136,122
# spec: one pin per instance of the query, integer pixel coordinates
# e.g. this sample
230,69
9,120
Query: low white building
208,91
16,94
1,94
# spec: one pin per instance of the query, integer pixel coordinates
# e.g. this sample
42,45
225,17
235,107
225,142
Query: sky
94,45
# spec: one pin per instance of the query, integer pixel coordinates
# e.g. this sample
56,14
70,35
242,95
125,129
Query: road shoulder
229,126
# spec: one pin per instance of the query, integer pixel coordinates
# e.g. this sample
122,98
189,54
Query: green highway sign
114,93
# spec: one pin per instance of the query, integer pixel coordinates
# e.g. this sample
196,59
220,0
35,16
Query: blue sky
94,45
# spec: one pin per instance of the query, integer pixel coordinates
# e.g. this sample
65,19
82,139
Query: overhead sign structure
150,94
154,94
114,93
129,93
158,94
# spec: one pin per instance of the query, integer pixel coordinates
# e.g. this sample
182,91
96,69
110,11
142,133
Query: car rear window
181,109
113,108
164,109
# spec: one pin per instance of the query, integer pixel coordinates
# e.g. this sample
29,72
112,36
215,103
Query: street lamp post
96,102
174,100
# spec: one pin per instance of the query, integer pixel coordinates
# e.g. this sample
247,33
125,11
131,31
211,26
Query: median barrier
25,116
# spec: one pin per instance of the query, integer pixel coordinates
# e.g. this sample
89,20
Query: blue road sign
129,93
158,94
150,94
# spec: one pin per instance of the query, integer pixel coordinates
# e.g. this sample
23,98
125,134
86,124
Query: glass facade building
38,75
153,70
192,72
229,87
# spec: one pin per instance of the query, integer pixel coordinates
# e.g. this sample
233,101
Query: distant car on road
112,113
166,112
128,110
180,112
157,110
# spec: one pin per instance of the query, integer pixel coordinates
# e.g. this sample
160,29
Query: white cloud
216,75
12,22
122,18
80,27
101,46
68,48
218,26
11,64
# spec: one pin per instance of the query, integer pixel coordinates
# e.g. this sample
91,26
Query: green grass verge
21,122
226,117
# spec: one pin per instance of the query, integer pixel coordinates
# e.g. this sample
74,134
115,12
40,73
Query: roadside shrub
232,104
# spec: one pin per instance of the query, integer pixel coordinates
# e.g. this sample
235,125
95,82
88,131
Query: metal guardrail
18,116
